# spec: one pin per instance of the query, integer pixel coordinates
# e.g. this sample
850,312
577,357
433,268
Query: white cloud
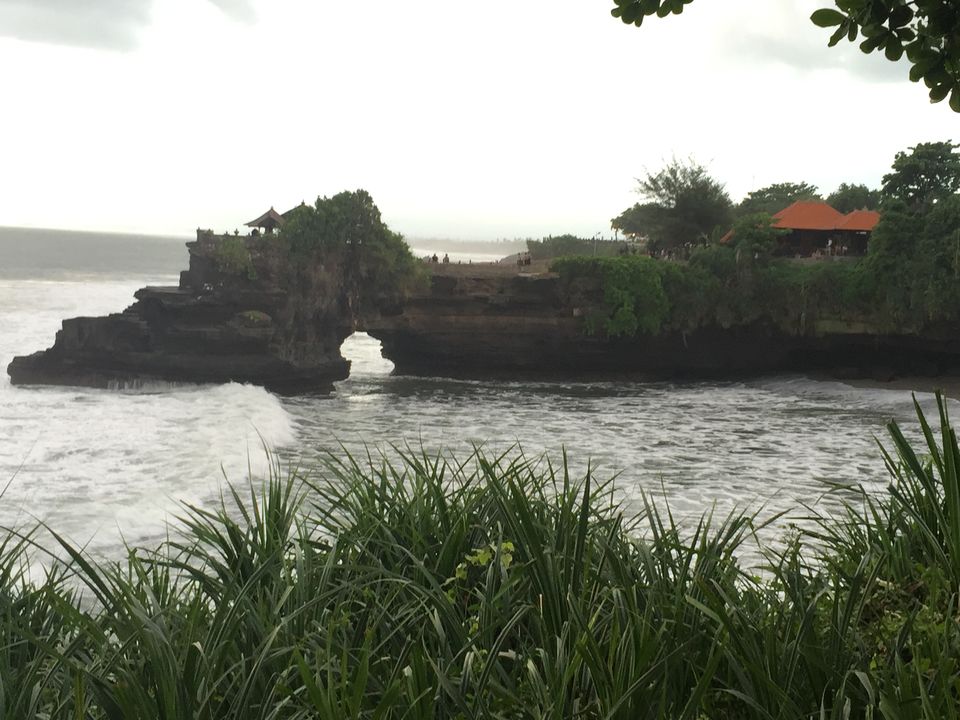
239,9
781,32
107,24
522,118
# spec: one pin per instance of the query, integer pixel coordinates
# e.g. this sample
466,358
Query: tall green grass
496,587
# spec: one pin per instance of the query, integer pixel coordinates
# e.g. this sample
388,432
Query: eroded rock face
264,323
248,313
482,322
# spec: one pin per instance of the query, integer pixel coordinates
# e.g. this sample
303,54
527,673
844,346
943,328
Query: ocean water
104,467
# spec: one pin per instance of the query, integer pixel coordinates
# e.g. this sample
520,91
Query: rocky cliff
240,313
245,311
481,321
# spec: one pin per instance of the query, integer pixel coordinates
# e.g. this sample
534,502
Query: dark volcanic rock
266,322
473,322
214,327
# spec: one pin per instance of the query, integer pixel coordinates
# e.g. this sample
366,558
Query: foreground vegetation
498,588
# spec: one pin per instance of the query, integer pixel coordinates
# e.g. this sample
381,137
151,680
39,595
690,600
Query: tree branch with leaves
924,32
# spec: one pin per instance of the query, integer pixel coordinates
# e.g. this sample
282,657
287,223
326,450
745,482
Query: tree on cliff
925,32
347,228
774,198
930,172
683,204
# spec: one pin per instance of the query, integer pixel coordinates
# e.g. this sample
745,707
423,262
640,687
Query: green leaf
900,16
938,75
894,50
827,17
915,51
939,92
955,99
837,36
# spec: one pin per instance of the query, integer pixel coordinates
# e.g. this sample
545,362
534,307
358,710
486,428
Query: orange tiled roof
808,215
813,215
859,221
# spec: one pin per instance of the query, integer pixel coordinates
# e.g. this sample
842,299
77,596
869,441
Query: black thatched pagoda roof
270,220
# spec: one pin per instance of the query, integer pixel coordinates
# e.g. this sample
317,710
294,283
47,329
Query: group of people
830,250
523,259
681,252
433,258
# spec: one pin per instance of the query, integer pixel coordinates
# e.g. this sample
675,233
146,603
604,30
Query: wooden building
816,228
855,230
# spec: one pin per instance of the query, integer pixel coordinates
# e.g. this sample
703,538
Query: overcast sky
506,118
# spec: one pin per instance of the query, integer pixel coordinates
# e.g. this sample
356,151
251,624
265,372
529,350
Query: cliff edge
238,315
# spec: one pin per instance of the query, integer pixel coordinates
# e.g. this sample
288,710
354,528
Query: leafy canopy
908,282
848,197
925,32
930,172
755,237
684,205
348,227
774,198
914,262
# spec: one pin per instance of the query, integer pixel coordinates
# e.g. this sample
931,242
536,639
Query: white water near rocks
101,465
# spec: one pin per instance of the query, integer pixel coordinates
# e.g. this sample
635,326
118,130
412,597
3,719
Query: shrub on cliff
633,296
569,245
755,238
232,257
721,287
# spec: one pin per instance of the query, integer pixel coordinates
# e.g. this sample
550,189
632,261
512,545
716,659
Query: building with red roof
808,215
816,227
859,221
